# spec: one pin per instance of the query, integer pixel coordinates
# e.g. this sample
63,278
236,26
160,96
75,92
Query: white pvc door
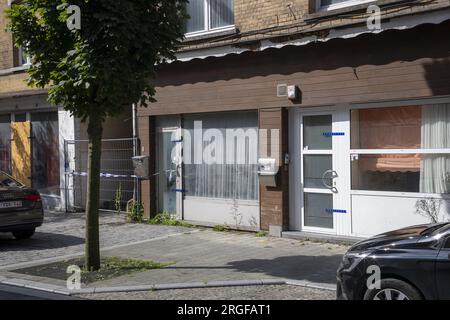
324,175
169,178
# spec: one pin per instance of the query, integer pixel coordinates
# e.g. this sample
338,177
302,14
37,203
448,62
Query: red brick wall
6,46
274,201
146,128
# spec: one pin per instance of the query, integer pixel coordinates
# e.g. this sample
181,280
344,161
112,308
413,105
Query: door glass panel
45,152
167,170
316,132
316,214
314,169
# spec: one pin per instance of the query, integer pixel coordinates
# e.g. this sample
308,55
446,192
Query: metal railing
117,181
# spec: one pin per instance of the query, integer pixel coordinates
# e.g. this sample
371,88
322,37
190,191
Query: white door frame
177,139
340,153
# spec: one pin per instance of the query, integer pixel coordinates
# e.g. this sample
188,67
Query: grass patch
220,228
261,234
111,267
167,220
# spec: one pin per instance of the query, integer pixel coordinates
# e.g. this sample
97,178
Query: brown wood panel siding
274,201
146,127
393,65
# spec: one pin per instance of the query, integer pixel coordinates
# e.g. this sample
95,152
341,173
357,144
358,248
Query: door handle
333,175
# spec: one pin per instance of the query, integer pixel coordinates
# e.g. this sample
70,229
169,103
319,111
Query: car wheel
393,289
23,234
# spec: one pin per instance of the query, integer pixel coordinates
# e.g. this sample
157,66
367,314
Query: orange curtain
390,128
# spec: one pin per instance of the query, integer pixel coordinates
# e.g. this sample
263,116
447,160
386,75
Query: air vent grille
282,90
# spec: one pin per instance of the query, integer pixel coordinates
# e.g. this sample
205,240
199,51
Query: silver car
21,210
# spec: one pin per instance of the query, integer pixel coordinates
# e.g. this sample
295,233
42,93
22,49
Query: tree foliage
99,69
108,63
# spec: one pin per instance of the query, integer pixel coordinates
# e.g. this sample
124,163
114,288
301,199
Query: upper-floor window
337,4
209,15
23,59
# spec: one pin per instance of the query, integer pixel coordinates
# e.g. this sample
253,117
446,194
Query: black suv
413,264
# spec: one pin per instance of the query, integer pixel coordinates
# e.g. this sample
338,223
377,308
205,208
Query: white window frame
207,23
348,3
357,152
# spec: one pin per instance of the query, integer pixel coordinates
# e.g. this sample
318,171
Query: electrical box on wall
267,171
141,167
289,91
292,92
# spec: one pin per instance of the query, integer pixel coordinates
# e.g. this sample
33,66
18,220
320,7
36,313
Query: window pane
325,3
5,143
316,214
230,170
167,173
315,129
411,127
447,243
314,168
402,172
45,152
20,117
221,12
23,57
435,174
196,11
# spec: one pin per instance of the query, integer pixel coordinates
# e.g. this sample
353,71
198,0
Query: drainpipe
136,192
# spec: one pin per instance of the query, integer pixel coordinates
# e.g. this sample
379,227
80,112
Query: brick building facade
338,65
34,135
336,172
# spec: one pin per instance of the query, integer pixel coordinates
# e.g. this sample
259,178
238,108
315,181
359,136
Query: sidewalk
63,234
208,257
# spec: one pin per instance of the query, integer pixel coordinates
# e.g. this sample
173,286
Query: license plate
10,204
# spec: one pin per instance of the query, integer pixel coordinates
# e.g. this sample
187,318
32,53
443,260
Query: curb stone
175,286
169,286
313,285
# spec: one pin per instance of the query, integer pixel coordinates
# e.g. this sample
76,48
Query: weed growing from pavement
167,220
261,234
136,213
220,228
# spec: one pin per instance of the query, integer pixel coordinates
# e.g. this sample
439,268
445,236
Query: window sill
225,31
325,14
401,194
10,71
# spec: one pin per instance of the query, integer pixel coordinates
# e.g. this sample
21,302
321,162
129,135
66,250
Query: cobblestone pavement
207,256
275,292
63,234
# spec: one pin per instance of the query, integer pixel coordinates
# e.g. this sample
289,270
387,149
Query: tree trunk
92,245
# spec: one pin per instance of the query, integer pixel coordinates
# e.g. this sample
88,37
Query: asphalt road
17,293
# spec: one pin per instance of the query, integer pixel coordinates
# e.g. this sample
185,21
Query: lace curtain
234,178
435,168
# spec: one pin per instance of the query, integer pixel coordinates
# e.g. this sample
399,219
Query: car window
7,181
447,243
441,229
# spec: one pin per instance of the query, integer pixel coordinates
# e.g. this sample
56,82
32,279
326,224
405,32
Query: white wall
373,214
223,212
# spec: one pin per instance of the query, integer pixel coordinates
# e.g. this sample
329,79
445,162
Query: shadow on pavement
40,241
320,269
